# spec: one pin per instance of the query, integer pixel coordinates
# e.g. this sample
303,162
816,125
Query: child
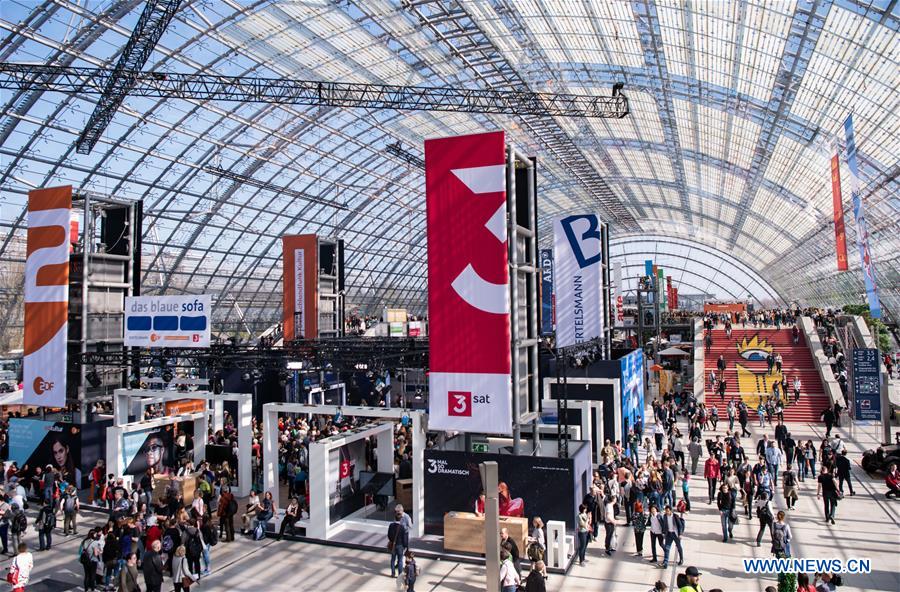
685,488
411,571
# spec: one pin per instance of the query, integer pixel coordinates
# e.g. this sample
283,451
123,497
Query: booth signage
47,296
867,384
547,304
470,388
167,321
301,290
37,443
578,263
185,406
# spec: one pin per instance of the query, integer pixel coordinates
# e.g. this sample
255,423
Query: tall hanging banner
470,386
578,255
47,296
547,303
862,231
840,233
301,286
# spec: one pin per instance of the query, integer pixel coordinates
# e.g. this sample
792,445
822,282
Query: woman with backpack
89,556
44,524
789,481
193,545
781,536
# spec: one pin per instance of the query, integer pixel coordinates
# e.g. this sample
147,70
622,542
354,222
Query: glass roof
735,108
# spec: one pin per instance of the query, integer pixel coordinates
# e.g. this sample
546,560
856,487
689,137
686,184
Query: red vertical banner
669,293
840,235
47,296
301,286
470,387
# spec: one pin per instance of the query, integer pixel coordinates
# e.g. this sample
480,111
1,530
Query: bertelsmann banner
470,389
578,281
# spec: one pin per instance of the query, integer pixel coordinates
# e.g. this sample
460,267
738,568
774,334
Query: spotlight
167,376
617,88
94,379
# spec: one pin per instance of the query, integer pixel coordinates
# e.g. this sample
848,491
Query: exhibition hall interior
450,295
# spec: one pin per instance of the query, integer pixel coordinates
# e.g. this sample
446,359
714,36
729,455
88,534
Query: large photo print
37,443
149,449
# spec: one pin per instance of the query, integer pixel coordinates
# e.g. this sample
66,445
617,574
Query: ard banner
862,231
47,296
468,284
301,290
840,233
547,304
578,262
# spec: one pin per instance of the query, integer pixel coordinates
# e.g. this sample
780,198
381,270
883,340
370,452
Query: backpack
194,546
49,520
209,535
789,479
167,543
19,522
259,533
778,542
69,504
232,508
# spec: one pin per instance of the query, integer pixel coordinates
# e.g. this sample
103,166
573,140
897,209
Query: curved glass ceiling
735,106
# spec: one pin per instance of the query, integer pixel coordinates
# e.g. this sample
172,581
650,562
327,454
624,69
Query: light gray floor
868,526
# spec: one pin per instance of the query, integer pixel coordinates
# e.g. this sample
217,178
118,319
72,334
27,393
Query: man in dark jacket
673,527
780,434
153,568
828,418
843,471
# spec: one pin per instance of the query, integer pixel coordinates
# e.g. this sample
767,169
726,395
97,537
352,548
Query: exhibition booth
343,495
127,400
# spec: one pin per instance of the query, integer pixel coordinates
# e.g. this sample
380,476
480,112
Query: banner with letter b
578,269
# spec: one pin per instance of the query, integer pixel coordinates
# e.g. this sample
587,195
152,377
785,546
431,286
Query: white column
270,451
418,469
201,425
120,408
318,491
218,414
244,469
114,451
385,451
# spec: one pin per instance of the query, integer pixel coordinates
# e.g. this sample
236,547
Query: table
464,532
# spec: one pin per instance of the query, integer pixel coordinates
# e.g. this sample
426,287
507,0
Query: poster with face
39,443
149,449
344,465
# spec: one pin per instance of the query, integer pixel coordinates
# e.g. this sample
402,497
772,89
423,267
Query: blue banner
547,292
632,366
648,267
862,231
866,384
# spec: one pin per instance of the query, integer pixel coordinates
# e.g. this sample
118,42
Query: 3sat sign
167,321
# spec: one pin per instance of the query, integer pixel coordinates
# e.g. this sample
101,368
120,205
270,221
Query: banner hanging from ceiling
301,289
620,299
862,231
840,233
168,321
547,304
578,266
47,296
470,388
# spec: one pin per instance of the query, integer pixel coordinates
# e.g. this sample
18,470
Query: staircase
746,370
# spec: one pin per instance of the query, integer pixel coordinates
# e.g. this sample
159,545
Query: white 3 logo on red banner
471,287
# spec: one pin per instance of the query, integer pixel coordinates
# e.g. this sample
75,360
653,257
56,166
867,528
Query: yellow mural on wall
752,381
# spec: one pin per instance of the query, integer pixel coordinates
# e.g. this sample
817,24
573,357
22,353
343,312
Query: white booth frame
121,404
585,406
616,384
319,526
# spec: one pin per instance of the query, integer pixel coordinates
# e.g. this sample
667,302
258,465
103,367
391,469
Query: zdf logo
41,386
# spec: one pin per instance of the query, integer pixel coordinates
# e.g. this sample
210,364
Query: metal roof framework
735,106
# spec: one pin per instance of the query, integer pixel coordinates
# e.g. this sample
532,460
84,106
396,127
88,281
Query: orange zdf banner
840,234
301,290
47,296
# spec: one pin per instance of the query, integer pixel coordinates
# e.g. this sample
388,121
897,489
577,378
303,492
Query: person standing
696,451
70,506
711,472
639,523
21,567
842,463
18,524
584,532
411,572
509,575
828,491
673,529
725,503
609,524
128,575
226,510
153,568
182,575
535,582
44,524
398,542
5,512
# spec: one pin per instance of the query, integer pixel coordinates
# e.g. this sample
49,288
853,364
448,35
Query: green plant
787,582
878,329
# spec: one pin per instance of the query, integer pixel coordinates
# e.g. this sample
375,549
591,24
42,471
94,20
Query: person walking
152,566
773,460
827,490
781,536
797,386
584,532
89,555
789,482
20,569
696,451
18,524
639,523
711,472
673,529
182,575
828,417
411,572
725,503
732,412
744,419
842,464
536,580
764,514
656,532
398,542
509,575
